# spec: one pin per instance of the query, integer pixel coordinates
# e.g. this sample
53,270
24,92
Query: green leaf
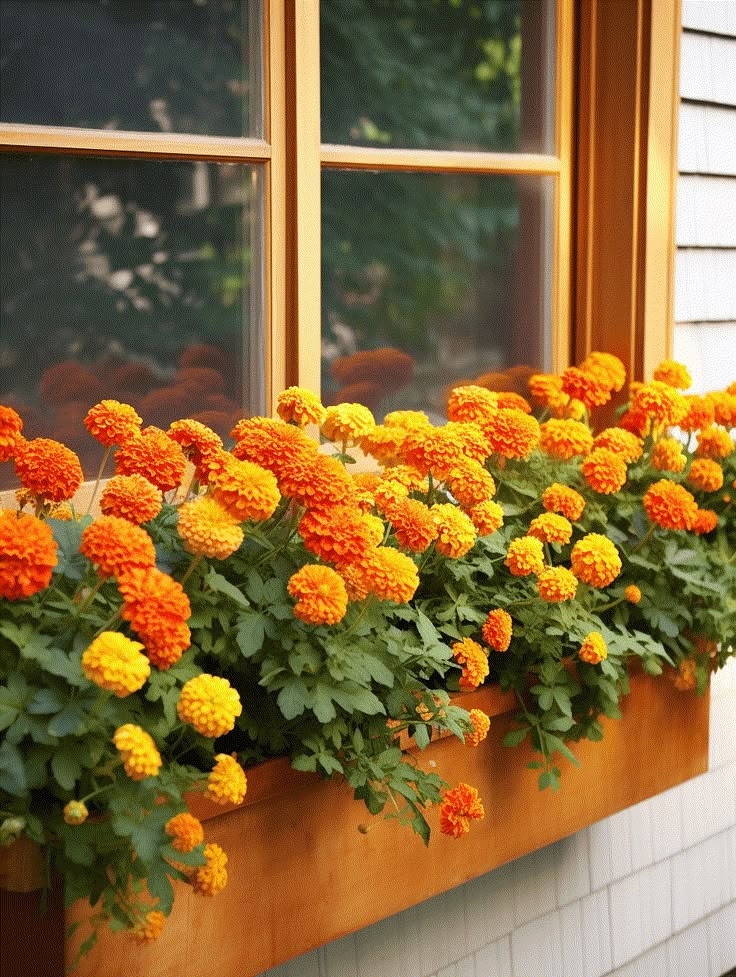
12,770
68,535
45,702
292,699
250,633
67,721
66,767
515,736
215,581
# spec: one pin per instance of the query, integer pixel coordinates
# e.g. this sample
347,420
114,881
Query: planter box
303,871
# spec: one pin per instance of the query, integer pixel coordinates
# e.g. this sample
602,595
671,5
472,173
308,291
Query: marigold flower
550,528
512,433
111,422
271,443
155,456
565,438
471,403
458,807
208,529
75,812
158,609
595,560
413,524
321,593
209,879
116,663
470,483
705,521
713,442
706,474
662,403
301,406
545,387
670,505
510,400
388,495
608,367
525,556
131,497
115,545
185,830
389,574
196,440
556,584
210,704
11,426
497,629
565,500
347,422
724,407
604,471
685,676
474,661
700,413
410,420
317,482
27,555
341,534
481,724
668,455
48,469
455,531
384,443
674,374
140,757
591,389
635,421
593,649
149,928
439,450
486,517
621,442
411,479
226,783
632,594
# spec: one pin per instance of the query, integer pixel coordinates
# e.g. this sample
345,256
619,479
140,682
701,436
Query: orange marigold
226,783
724,407
75,812
155,456
317,482
662,403
471,403
621,442
209,879
439,450
347,422
512,433
713,442
470,483
632,594
384,443
706,474
389,574
591,389
481,724
497,629
473,660
455,531
47,468
245,490
674,374
486,517
300,406
593,649
271,443
131,497
196,440
705,521
388,495
413,524
565,500
140,757
185,830
700,413
321,593
604,471
157,608
208,529
556,584
525,556
111,422
545,387
115,545
342,534
116,663
11,426
149,928
210,704
668,455
635,421
406,475
565,438
27,555
510,400
685,676
670,505
410,420
608,367
458,807
595,560
550,528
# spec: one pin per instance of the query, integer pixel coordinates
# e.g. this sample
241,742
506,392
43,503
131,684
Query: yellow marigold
140,757
62,511
593,649
131,497
301,406
155,456
700,413
545,387
470,483
471,403
47,468
497,629
565,500
724,407
115,545
525,556
111,422
413,524
341,534
674,374
706,474
390,575
455,531
662,403
384,443
458,807
510,400
565,438
486,517
470,437
75,812
406,475
196,440
149,928
27,555
481,724
158,609
608,367
550,528
621,442
210,704
556,584
668,455
604,471
670,505
208,529
388,495
473,660
705,521
209,879
354,580
595,560
685,677
321,593
116,663
632,594
591,389
731,388
713,442
512,433
245,490
316,482
185,830
347,422
11,426
226,783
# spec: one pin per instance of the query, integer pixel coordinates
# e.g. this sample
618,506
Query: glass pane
438,74
434,279
190,66
135,280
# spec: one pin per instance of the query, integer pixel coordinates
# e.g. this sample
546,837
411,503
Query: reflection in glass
133,280
429,280
190,66
438,74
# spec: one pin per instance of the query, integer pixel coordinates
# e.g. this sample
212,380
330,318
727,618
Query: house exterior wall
649,892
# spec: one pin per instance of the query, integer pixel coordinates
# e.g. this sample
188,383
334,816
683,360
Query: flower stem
99,478
191,568
90,596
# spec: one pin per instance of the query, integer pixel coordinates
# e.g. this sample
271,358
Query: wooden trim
560,318
436,160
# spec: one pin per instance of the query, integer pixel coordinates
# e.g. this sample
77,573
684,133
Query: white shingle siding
706,212
707,139
705,285
713,16
707,69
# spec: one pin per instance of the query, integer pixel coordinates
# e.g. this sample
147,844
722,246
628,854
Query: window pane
190,66
133,280
438,74
442,278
